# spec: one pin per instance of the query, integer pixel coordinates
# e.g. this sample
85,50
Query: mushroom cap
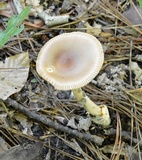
70,60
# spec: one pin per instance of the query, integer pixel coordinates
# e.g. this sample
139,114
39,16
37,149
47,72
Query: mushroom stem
99,114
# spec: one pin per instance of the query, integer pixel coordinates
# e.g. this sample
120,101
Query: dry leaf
128,151
95,30
136,94
13,74
25,123
134,15
82,124
137,72
28,152
72,123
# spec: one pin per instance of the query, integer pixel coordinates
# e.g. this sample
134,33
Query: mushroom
70,61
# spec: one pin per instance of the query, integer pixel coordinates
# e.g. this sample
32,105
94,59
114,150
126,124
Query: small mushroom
70,61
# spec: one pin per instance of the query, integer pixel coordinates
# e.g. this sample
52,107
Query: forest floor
42,123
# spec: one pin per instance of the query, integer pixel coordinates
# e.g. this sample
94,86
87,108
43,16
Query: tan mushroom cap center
70,60
65,61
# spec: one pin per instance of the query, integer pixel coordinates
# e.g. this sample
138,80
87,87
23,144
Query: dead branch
53,124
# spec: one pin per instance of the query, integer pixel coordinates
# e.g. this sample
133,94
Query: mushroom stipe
98,114
70,61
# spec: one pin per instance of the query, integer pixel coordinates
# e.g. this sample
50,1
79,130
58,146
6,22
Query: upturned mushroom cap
70,60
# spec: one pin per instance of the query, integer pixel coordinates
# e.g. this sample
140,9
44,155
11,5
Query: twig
53,20
48,122
125,134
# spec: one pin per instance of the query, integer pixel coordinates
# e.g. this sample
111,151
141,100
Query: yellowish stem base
99,114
